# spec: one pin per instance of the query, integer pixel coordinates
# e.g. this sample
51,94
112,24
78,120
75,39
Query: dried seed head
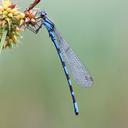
10,19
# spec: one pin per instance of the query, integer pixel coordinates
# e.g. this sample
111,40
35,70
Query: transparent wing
76,68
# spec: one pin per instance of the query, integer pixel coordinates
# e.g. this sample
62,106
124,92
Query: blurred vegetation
33,88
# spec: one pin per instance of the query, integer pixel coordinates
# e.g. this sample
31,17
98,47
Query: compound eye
43,13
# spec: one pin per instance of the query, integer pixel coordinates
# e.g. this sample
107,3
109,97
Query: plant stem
3,39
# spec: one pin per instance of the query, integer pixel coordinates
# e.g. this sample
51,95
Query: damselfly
69,60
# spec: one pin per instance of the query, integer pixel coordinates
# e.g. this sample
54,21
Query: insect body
70,62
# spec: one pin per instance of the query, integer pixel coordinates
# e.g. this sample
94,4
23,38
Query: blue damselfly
70,62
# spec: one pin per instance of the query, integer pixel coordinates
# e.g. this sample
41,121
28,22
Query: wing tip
88,83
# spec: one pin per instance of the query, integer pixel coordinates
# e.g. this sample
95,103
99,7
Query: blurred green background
33,89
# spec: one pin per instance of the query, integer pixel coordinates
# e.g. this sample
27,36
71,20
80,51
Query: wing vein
76,68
